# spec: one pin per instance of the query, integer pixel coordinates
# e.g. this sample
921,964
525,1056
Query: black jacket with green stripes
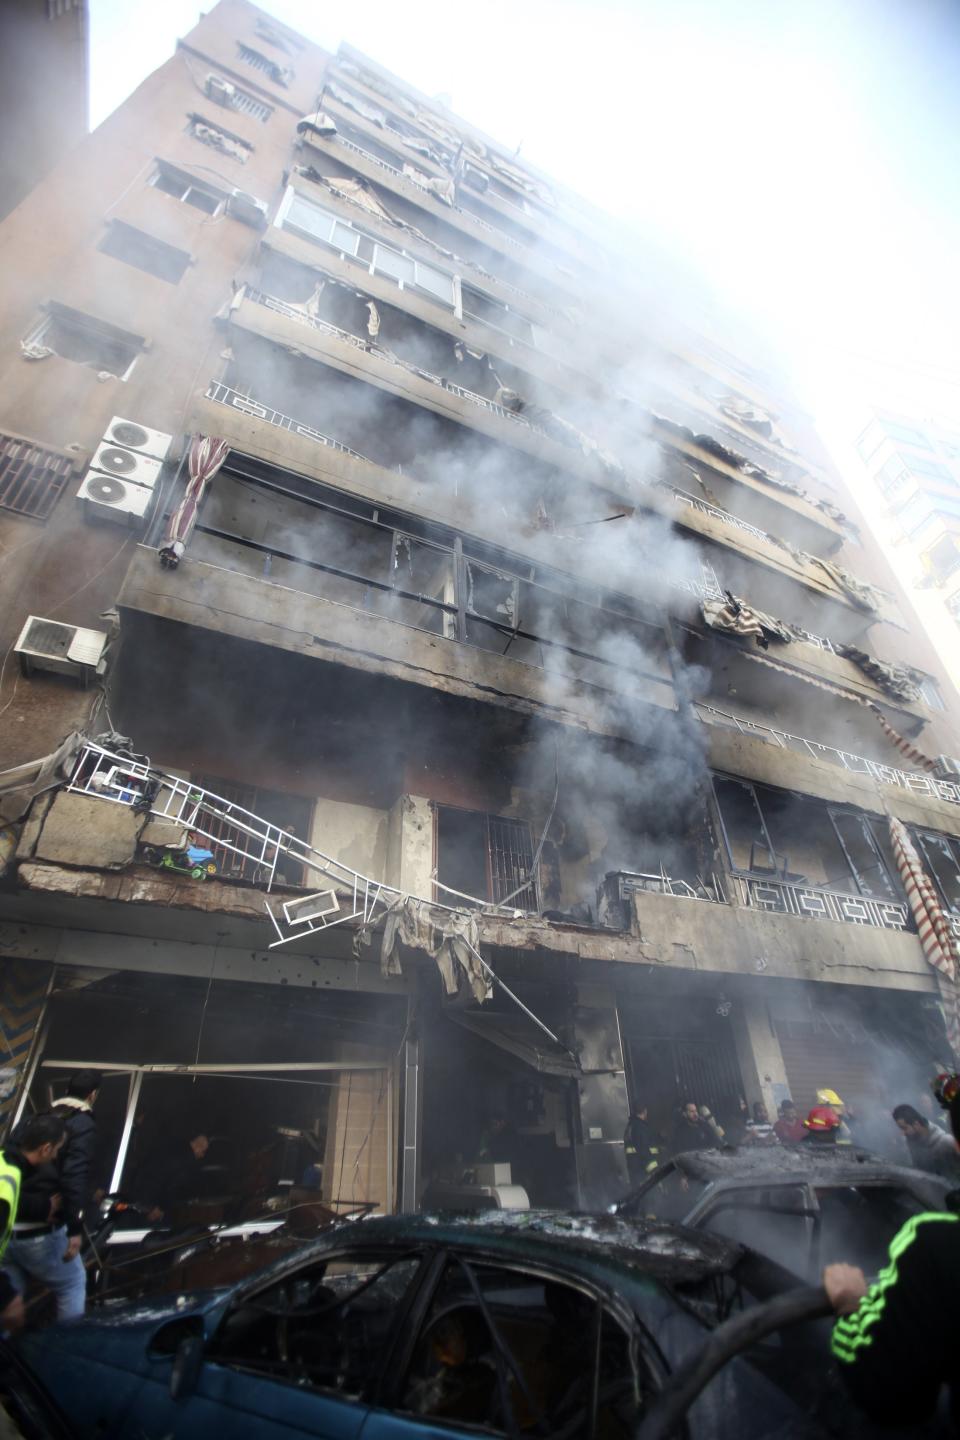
900,1346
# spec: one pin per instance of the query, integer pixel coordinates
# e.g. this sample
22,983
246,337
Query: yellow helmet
828,1097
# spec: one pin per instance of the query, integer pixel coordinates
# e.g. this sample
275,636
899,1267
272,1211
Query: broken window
424,571
941,856
744,831
233,146
183,187
75,336
485,856
145,252
868,864
32,479
279,74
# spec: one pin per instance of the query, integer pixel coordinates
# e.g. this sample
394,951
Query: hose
667,1411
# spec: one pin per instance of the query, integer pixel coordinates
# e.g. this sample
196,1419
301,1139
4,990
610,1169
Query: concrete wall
356,835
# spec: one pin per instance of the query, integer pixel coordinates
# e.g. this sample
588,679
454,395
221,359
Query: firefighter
894,1342
641,1145
822,1126
825,1096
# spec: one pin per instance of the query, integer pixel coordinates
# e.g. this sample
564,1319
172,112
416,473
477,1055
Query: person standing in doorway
691,1131
641,1145
75,1163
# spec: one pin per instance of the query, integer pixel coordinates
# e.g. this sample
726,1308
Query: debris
734,617
897,681
373,323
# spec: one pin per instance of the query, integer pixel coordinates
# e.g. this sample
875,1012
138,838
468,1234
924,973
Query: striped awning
936,937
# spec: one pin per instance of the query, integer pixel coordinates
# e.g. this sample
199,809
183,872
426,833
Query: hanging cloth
206,456
936,937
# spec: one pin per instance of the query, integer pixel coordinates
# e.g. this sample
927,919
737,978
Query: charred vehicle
534,1323
803,1206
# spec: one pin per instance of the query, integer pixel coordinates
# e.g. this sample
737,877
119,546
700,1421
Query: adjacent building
432,691
915,467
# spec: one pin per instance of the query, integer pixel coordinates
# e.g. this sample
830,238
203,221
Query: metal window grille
247,105
31,478
229,863
510,857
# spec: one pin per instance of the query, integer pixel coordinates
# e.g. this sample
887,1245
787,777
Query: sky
800,158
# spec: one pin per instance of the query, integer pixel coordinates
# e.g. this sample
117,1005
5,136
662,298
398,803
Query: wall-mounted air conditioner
948,768
65,649
247,208
133,436
126,465
219,90
106,497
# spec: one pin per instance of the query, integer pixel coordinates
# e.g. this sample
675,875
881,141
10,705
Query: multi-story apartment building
44,80
342,476
915,466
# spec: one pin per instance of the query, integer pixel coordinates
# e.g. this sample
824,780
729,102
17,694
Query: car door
504,1349
781,1221
297,1357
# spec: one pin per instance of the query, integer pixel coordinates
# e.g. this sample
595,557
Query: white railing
236,400
254,841
713,510
811,903
296,312
844,759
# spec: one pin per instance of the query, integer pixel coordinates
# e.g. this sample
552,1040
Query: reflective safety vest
10,1193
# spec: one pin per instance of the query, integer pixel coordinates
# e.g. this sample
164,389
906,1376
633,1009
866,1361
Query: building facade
431,692
915,469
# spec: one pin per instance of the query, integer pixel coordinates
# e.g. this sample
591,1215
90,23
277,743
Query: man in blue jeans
46,1237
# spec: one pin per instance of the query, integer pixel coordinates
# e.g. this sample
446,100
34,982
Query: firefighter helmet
829,1097
945,1088
822,1117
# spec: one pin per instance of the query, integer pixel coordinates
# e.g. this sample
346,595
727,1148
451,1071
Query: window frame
53,311
488,816
161,248
61,470
173,173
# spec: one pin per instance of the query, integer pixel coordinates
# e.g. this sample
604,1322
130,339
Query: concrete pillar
602,1097
24,986
410,846
758,1052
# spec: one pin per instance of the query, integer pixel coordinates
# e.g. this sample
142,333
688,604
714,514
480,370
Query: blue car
518,1324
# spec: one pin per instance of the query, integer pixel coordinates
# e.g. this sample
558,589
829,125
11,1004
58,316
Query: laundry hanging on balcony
206,456
864,595
450,937
734,617
936,937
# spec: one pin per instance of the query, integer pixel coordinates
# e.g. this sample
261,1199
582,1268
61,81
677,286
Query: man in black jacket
40,1140
49,1251
894,1342
641,1145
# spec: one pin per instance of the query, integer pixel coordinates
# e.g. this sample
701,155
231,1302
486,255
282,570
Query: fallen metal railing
350,896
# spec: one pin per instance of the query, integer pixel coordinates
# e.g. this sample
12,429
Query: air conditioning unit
247,208
64,649
129,465
948,768
106,497
133,436
219,90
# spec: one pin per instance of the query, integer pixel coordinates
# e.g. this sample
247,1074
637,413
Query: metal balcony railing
296,312
257,843
809,902
237,400
844,759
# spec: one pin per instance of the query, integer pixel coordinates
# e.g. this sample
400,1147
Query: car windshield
670,1194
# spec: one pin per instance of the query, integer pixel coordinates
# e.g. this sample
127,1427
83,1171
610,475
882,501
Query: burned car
533,1323
803,1206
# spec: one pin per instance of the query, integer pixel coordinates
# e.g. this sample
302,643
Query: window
313,222
489,312
289,44
31,478
183,187
485,856
515,1353
279,74
218,138
859,1221
941,856
920,465
292,813
144,252
78,337
892,475
777,1220
324,1327
929,688
898,431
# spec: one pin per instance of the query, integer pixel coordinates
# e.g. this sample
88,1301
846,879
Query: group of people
49,1186
828,1122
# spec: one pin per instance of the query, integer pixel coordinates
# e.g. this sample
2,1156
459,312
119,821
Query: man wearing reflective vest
38,1142
894,1340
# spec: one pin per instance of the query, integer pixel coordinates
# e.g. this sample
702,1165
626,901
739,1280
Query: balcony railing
714,510
844,759
778,897
296,312
236,400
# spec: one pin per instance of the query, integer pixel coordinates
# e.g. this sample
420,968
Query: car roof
827,1164
634,1247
